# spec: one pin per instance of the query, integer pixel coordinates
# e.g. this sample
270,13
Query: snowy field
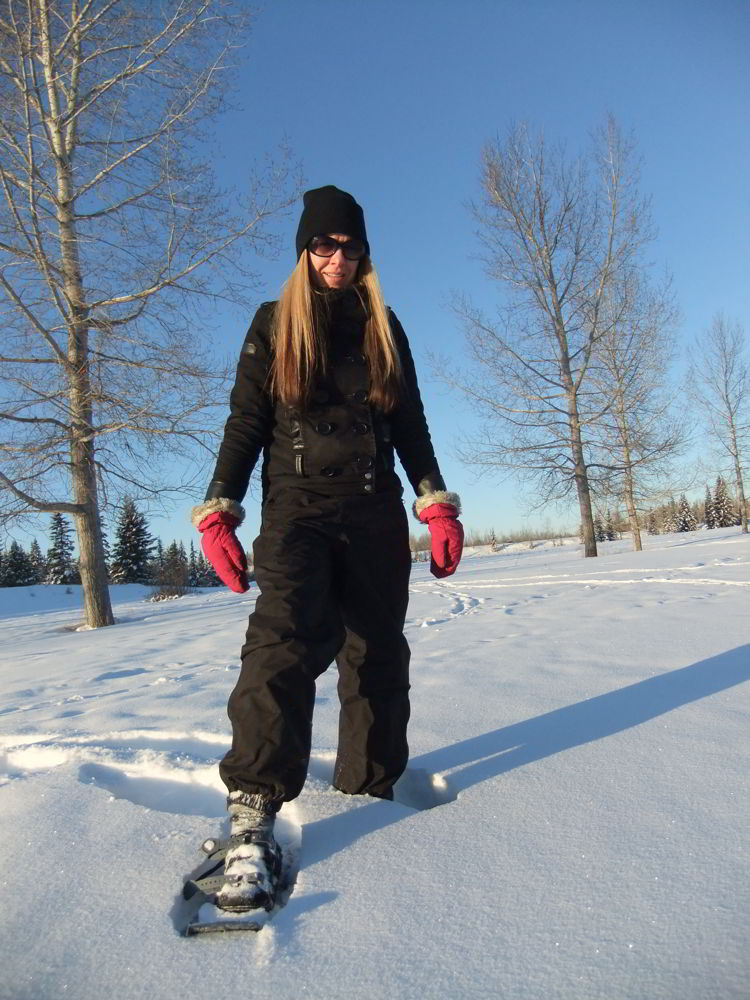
579,728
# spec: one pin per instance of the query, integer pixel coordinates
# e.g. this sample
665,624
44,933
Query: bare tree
116,242
639,436
719,381
557,239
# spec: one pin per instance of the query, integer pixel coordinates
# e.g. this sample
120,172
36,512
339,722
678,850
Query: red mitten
223,551
447,536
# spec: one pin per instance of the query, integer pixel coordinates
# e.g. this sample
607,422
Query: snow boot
252,865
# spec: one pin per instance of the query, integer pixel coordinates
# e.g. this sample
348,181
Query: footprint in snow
417,788
462,605
176,772
162,794
420,789
116,674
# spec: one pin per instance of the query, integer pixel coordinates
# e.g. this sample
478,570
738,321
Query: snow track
653,582
174,772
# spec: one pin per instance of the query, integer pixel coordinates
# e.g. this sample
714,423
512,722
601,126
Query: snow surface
580,728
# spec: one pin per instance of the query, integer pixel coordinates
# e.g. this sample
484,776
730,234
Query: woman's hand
223,550
447,536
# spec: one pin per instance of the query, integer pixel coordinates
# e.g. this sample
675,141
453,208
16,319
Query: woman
326,389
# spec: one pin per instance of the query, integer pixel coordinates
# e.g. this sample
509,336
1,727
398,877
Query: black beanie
330,210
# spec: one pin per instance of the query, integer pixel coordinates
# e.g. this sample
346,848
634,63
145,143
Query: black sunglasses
324,246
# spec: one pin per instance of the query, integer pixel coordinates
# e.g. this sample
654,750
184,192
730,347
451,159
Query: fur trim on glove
217,506
439,496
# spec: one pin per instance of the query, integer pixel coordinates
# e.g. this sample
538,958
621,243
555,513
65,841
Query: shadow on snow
479,758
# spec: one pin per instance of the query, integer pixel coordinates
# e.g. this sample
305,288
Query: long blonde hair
300,344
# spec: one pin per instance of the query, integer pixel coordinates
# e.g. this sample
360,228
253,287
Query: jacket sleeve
251,419
409,431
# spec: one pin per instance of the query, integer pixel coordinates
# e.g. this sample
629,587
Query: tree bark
740,484
628,478
635,529
579,462
97,604
584,497
96,598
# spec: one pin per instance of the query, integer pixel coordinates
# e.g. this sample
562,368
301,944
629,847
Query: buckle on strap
216,848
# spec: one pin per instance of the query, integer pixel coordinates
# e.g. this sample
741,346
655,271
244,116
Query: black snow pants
333,575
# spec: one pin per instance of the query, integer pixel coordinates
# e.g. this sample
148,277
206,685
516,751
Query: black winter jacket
340,444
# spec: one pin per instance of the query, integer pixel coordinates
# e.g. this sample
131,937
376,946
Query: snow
573,823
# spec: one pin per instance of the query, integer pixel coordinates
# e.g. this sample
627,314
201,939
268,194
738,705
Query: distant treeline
717,510
135,557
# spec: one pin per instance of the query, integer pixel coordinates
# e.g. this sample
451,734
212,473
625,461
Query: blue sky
393,101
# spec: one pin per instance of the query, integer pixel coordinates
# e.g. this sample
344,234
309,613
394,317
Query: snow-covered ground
580,728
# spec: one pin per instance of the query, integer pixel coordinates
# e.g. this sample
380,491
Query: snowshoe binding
237,886
251,873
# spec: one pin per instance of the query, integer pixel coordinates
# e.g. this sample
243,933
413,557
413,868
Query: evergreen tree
685,518
174,575
193,567
16,567
201,572
609,528
37,563
156,569
2,568
60,565
670,517
107,554
133,546
708,509
651,525
724,513
599,532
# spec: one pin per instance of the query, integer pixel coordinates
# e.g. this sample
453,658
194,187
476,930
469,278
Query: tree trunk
629,488
584,504
579,462
632,514
97,603
740,489
83,469
582,486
